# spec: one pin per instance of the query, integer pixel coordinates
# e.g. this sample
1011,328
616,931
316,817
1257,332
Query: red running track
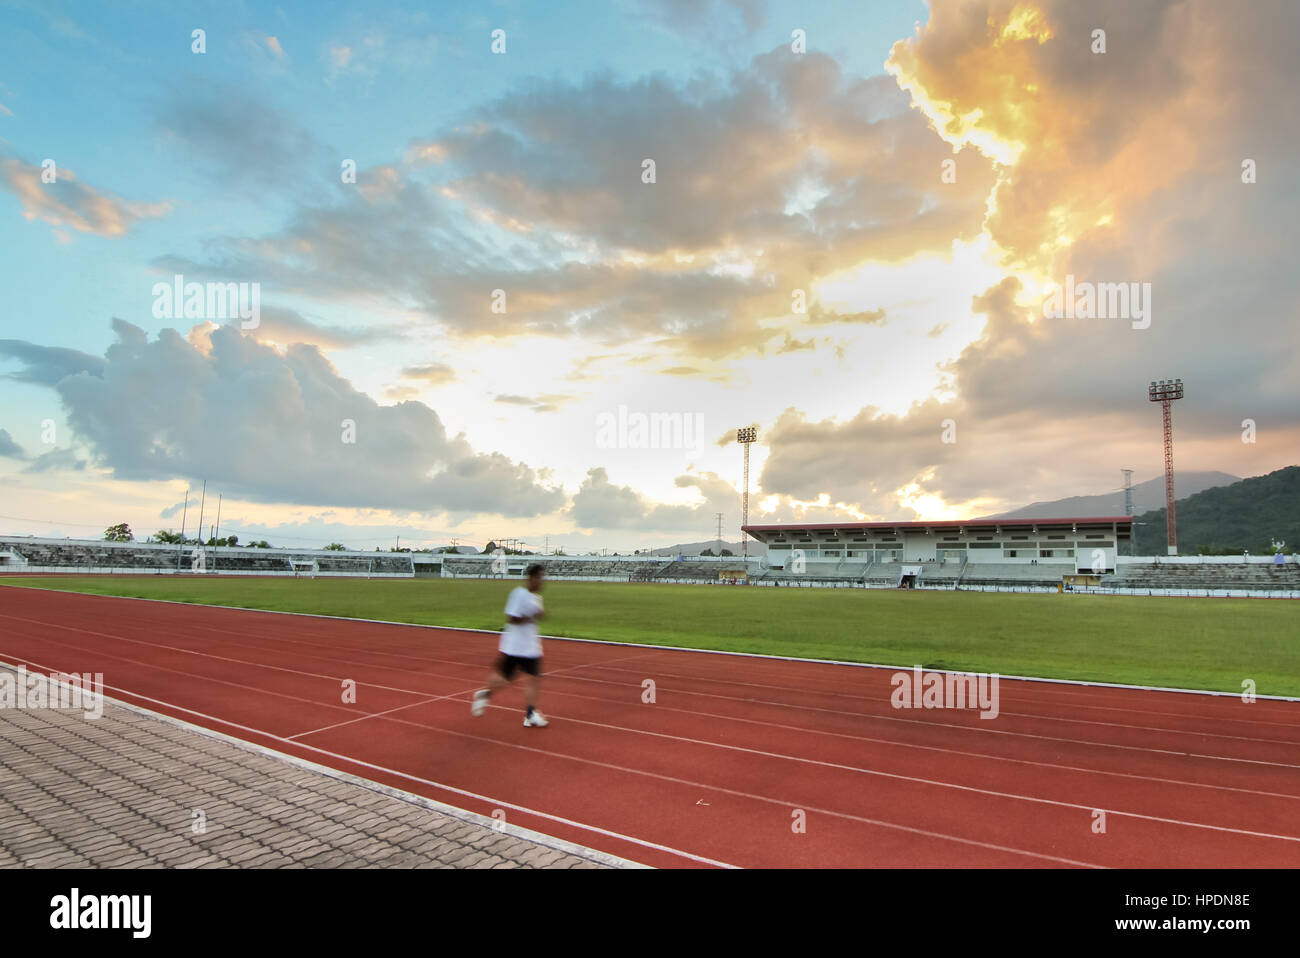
732,754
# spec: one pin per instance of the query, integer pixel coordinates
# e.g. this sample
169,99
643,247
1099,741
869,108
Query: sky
521,270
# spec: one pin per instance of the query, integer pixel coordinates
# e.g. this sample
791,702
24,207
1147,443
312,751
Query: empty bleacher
620,569
1197,576
94,557
1014,574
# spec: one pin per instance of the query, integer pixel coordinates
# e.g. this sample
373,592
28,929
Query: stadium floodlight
1165,391
745,436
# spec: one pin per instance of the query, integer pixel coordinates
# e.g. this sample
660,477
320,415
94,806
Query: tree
335,547
168,536
260,544
707,552
728,552
118,533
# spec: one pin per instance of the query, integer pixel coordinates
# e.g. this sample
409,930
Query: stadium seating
1014,574
90,556
1253,576
1158,574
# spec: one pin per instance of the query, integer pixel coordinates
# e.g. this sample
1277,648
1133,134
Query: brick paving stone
121,791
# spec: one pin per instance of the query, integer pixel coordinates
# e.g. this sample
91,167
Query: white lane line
634,771
1014,796
937,748
673,648
436,698
866,715
414,778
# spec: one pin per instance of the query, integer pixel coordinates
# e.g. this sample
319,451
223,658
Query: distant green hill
1249,514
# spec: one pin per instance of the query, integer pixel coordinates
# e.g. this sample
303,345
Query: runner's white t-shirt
521,638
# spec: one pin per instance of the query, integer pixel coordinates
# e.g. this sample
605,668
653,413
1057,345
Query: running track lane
731,754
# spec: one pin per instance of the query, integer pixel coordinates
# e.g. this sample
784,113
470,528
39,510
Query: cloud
791,345
8,448
770,178
58,460
47,365
268,426
1115,167
689,18
69,203
287,326
435,374
600,504
241,142
544,403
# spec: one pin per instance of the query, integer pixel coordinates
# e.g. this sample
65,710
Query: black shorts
506,665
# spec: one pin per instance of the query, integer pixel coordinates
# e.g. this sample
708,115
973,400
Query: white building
1074,545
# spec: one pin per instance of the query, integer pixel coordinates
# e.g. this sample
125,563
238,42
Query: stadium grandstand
1033,552
1085,554
91,556
1077,554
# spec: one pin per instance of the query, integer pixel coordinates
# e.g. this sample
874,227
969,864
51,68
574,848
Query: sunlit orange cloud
67,202
1075,146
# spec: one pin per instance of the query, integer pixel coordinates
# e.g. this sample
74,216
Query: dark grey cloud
272,427
46,365
8,448
57,460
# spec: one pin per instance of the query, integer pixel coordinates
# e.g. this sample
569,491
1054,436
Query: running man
520,648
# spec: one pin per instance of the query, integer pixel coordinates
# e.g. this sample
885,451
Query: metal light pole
1128,511
217,532
203,498
1165,391
746,437
180,547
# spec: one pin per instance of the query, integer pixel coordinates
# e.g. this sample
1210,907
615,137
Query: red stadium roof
944,524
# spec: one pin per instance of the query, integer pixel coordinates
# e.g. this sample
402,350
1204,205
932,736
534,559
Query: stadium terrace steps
1218,575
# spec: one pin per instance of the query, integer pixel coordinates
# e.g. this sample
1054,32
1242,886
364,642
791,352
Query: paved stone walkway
129,790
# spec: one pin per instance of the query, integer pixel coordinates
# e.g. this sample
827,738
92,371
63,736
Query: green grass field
1183,643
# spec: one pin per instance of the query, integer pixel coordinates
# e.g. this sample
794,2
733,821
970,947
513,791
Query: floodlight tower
746,436
1165,391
